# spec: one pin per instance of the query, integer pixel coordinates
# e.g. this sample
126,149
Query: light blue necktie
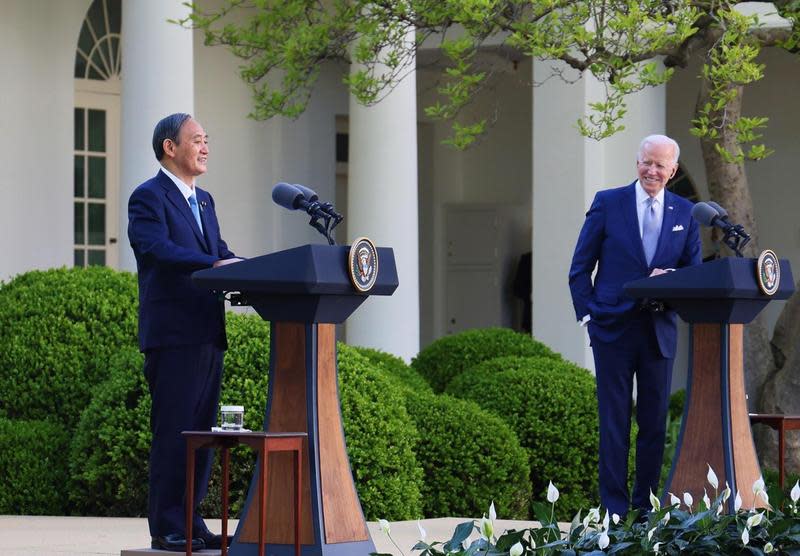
195,210
651,229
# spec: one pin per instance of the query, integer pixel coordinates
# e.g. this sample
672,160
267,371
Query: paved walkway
117,536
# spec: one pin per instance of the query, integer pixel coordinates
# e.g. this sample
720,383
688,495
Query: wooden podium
717,298
304,292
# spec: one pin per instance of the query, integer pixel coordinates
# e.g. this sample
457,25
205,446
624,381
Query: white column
157,80
382,205
568,170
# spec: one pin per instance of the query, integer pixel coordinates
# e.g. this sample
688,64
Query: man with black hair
173,230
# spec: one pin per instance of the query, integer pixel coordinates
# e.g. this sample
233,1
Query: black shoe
175,542
214,542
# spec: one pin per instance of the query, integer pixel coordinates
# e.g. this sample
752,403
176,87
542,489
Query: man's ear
169,147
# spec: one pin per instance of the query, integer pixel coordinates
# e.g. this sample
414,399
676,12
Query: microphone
722,212
713,215
706,215
311,196
294,196
287,196
307,192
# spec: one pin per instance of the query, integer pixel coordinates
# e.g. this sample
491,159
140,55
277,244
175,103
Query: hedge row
73,371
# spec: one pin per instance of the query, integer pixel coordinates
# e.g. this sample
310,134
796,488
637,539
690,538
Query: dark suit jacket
611,240
169,246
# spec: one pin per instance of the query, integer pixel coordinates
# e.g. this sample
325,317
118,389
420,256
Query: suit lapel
629,210
666,224
207,216
179,202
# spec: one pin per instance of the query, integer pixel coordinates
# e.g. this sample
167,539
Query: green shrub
111,444
57,328
468,467
448,357
395,369
33,469
380,440
109,453
552,407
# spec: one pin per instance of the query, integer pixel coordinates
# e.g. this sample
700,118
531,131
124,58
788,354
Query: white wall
495,170
248,157
37,53
773,181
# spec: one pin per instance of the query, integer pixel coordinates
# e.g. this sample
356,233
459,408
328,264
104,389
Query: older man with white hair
629,233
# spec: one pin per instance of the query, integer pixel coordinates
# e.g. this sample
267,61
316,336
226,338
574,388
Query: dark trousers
637,353
184,384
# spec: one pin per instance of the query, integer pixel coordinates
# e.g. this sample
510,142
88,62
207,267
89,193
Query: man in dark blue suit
632,232
173,231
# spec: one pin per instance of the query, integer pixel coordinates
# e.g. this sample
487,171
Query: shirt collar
642,195
185,189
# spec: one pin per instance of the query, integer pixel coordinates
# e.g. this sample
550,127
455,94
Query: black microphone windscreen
704,213
286,195
721,211
307,192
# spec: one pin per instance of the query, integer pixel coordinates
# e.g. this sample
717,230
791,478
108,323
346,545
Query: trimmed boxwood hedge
448,357
551,405
111,444
33,469
470,458
110,451
57,329
380,438
395,369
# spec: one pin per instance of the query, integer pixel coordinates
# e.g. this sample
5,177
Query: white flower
737,502
687,499
764,496
712,478
516,550
492,512
720,508
674,500
795,494
706,500
745,537
650,534
592,516
605,521
384,525
727,492
487,528
758,486
552,493
654,501
615,518
422,532
665,519
603,540
754,520
656,547
768,548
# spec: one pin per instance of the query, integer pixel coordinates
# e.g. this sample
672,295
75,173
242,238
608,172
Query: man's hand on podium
223,262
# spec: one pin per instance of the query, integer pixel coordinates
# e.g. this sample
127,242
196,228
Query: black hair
167,128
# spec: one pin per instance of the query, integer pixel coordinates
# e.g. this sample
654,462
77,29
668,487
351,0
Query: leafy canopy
627,45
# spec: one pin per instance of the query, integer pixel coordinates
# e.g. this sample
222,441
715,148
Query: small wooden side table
780,423
262,442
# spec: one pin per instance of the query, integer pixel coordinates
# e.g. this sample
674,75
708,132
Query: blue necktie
651,229
195,210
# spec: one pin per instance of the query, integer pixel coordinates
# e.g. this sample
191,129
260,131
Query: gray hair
168,128
659,140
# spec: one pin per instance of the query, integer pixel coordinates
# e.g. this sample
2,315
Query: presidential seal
768,270
363,264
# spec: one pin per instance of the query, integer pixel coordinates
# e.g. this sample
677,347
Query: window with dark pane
97,177
80,175
80,130
97,224
80,259
98,53
97,130
97,257
80,223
